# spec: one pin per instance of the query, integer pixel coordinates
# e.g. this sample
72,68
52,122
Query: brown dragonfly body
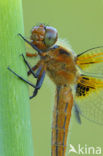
60,65
63,67
61,119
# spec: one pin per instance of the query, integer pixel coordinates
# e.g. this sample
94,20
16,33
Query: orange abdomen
61,120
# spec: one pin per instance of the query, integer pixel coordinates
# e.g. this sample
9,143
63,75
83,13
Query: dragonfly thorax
61,66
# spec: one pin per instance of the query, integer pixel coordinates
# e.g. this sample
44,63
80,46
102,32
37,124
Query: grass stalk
15,126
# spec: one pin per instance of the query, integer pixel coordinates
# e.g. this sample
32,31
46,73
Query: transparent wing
89,98
91,60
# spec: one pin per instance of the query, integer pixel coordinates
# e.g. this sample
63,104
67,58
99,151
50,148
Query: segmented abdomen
61,120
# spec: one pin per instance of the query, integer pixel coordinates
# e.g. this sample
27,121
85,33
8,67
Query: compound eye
50,36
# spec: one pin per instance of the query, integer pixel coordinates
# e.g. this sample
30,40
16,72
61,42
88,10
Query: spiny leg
31,55
21,78
40,74
40,78
38,84
38,71
77,113
33,46
35,67
30,69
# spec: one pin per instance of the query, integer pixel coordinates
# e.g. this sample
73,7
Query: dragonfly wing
89,98
77,113
91,60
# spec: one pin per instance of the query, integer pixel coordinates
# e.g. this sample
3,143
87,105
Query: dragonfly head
43,37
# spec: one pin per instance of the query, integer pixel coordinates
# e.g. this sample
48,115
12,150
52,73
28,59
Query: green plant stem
15,126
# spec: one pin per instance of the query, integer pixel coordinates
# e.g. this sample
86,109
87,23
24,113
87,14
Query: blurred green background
81,23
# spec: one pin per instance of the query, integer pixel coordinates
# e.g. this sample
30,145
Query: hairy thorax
61,66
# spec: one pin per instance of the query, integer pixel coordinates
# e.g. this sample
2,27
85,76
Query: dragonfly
78,79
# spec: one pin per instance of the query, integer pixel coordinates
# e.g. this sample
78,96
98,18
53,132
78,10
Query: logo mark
72,149
85,150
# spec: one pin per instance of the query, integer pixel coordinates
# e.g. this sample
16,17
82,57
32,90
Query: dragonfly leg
35,67
30,43
38,84
31,55
21,78
77,113
30,69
